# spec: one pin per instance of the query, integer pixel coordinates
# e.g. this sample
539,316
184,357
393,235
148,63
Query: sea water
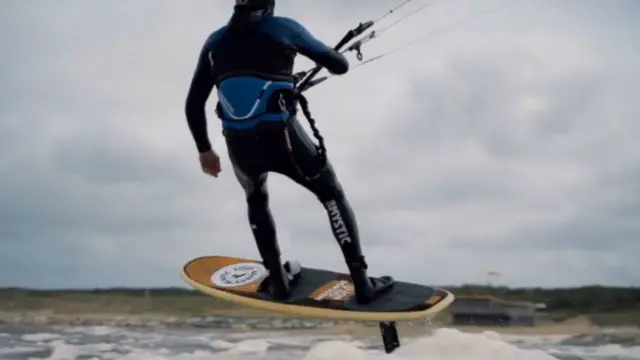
98,342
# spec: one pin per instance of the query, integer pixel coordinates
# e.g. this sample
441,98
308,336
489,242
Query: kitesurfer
250,62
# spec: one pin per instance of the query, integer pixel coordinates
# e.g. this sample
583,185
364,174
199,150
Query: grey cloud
508,149
607,219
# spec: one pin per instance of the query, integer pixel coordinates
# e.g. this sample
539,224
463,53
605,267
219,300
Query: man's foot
280,279
367,289
279,286
372,288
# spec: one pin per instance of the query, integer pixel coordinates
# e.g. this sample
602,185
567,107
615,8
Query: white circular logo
238,274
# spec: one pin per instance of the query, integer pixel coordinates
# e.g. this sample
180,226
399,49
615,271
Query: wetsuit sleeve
201,85
308,45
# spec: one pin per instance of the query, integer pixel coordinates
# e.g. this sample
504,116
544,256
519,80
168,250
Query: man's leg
251,171
328,190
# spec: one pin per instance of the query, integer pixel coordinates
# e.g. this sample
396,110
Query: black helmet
247,12
256,5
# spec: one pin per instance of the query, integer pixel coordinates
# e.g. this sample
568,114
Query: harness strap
320,148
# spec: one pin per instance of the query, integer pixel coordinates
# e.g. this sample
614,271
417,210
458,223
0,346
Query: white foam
452,344
63,351
221,345
250,346
447,344
93,330
100,347
243,347
40,337
331,350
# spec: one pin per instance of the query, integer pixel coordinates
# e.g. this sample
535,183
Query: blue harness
244,101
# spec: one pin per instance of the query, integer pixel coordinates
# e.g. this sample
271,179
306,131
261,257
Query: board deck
319,293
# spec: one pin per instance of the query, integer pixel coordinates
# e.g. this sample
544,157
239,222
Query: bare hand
210,163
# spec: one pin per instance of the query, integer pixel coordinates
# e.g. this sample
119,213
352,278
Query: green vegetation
604,305
170,301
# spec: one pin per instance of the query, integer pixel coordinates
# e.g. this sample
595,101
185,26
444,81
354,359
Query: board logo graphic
340,291
238,274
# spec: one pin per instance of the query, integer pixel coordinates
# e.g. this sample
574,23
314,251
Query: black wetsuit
251,65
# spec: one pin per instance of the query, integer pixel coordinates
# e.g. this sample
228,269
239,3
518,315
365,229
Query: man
250,62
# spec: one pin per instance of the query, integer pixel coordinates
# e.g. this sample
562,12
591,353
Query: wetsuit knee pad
334,193
331,188
258,197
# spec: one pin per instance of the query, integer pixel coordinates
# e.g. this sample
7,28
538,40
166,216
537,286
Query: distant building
490,311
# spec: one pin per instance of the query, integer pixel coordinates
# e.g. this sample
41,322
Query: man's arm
201,85
308,45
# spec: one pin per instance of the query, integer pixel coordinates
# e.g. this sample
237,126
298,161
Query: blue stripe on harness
244,101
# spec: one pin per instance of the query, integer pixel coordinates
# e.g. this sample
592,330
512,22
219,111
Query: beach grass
185,303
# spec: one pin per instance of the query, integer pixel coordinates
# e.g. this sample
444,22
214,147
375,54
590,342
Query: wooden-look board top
320,293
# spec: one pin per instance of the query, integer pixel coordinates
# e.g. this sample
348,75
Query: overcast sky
510,143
